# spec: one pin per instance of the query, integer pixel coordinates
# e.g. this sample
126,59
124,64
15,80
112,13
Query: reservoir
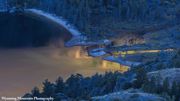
32,50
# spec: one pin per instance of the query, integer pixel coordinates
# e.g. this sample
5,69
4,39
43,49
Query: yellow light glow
77,53
123,53
107,65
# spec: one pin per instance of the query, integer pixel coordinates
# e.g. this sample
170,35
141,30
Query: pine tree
48,89
174,89
178,90
141,78
149,85
59,85
35,92
73,88
166,86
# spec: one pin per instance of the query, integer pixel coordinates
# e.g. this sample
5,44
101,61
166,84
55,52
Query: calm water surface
22,69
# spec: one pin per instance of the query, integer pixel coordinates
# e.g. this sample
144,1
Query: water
24,64
22,69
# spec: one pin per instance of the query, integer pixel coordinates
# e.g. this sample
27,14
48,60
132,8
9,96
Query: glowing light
104,64
123,53
149,51
77,53
107,65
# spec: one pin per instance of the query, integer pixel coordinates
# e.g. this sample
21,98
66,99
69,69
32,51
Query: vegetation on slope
108,16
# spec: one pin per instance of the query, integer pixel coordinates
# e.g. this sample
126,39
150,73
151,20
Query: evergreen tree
18,4
150,85
166,86
59,85
141,78
35,92
175,91
73,88
48,89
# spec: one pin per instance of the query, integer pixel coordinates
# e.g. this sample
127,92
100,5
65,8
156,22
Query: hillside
140,36
173,75
131,95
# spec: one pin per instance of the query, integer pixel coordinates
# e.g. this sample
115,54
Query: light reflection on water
22,69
